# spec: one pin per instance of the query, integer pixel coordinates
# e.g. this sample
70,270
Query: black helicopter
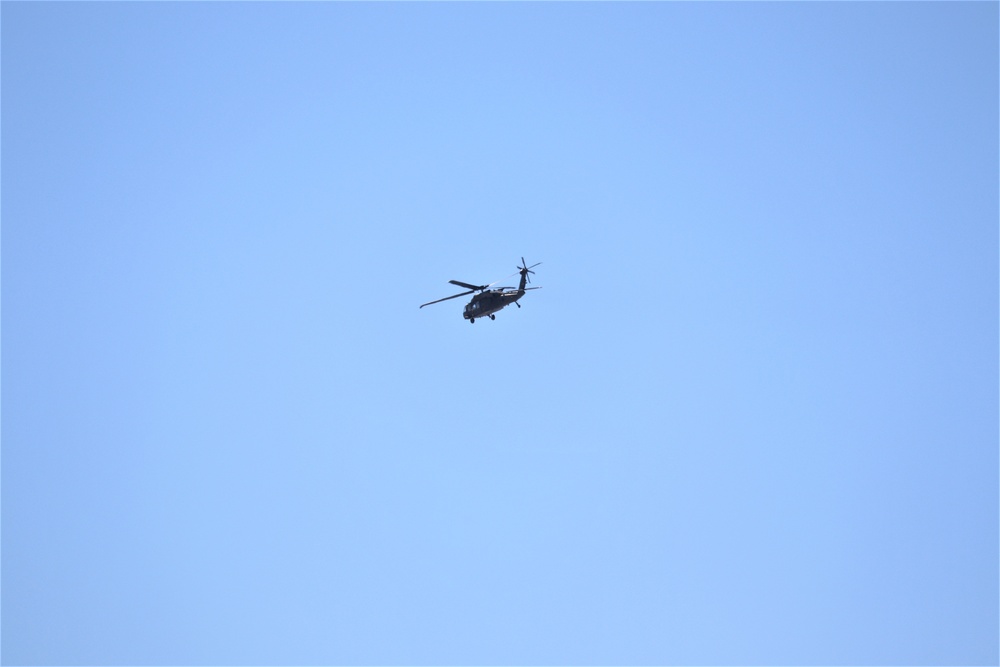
489,301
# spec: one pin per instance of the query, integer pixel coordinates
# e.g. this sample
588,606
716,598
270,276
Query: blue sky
751,417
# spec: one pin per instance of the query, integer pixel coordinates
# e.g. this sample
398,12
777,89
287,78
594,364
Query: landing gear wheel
472,320
493,317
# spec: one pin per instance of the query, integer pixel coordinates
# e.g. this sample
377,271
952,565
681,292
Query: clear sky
751,417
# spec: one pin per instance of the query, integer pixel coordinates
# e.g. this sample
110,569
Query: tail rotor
524,269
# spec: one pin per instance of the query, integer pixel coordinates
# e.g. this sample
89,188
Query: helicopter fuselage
486,303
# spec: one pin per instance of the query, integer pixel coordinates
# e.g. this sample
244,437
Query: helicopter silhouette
489,301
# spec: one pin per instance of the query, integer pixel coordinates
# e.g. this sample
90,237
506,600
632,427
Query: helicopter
489,301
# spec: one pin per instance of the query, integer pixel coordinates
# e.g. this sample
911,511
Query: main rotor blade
467,285
495,282
453,296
